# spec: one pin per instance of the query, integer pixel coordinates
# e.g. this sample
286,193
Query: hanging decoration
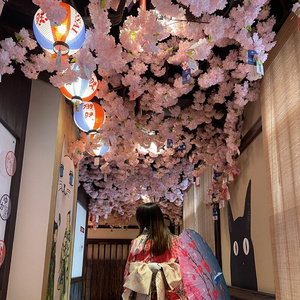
82,89
181,70
90,116
64,38
96,146
100,149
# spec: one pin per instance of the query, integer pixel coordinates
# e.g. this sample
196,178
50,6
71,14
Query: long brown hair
150,215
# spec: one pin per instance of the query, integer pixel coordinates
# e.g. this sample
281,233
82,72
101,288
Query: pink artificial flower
295,8
5,62
25,40
213,76
54,11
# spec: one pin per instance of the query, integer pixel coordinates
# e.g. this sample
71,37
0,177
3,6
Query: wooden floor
241,294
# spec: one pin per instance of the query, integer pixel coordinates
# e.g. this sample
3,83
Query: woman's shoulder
139,245
141,239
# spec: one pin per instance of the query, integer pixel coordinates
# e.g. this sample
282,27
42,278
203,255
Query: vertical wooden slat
103,283
102,277
106,268
98,270
92,295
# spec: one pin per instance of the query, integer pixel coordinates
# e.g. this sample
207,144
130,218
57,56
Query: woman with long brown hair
152,270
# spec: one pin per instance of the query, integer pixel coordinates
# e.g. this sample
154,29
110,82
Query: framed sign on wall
8,165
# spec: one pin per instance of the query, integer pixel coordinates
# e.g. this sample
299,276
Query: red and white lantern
96,146
66,38
81,89
95,139
90,116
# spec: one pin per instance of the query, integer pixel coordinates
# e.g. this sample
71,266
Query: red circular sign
10,163
2,252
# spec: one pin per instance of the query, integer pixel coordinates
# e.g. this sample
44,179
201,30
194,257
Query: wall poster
60,264
8,166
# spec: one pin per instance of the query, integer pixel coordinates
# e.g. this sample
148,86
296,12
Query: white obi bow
167,276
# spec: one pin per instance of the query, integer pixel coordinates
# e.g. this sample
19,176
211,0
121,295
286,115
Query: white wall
28,255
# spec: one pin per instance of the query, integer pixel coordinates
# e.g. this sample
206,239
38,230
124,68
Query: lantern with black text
66,38
81,89
89,116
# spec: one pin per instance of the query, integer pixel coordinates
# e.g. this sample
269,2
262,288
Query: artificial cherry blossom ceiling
165,128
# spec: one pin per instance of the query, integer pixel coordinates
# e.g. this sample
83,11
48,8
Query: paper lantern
94,139
82,89
65,38
99,151
89,116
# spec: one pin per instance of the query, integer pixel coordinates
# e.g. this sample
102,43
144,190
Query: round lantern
89,116
99,151
65,38
82,89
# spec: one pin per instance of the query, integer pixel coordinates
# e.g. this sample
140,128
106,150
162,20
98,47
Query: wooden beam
252,133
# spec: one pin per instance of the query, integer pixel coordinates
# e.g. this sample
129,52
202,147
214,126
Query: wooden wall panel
104,272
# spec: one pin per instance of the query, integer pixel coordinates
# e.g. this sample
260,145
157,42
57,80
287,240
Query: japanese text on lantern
88,106
92,83
41,18
88,114
89,111
76,23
